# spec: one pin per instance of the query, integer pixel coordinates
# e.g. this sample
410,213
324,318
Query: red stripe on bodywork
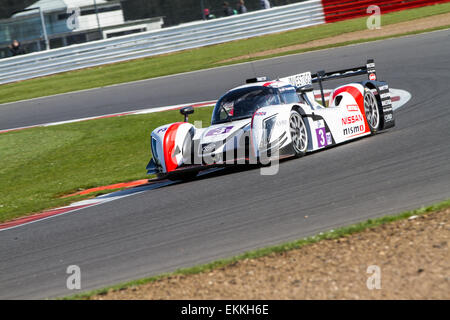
198,105
359,100
169,145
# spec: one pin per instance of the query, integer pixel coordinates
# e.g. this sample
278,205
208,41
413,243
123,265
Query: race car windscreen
242,103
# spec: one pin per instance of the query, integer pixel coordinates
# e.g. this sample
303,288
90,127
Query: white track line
112,115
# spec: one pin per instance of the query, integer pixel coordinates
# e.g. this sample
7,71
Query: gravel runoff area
412,256
384,31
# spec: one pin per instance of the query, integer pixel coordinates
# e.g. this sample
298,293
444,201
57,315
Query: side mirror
186,111
304,89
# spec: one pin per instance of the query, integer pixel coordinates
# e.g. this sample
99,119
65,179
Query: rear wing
322,76
307,79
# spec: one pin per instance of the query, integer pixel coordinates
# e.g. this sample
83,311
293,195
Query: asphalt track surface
225,214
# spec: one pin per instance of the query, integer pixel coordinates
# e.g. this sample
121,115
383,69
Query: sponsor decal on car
322,140
209,147
260,113
372,77
353,130
281,123
283,89
388,117
319,123
352,119
161,130
299,80
329,140
219,131
352,107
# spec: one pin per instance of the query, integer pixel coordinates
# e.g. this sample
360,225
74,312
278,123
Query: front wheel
299,134
371,110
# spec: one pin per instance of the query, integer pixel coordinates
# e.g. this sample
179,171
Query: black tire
371,110
299,134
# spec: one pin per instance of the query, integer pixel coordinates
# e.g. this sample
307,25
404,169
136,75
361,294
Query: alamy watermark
374,21
73,282
73,15
374,281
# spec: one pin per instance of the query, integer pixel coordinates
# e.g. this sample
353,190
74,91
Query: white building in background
68,22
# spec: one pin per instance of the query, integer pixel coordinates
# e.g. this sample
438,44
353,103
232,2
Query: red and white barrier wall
337,10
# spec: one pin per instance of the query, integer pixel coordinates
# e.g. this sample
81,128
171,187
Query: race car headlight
268,125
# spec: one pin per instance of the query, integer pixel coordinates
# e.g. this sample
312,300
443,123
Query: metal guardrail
163,41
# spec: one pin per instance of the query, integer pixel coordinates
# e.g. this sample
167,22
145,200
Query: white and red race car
263,120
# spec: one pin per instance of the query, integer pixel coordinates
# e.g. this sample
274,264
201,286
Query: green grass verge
196,59
41,164
332,234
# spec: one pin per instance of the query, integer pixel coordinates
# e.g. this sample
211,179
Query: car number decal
219,131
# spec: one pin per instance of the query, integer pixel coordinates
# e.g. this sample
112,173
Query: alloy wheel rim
298,133
372,114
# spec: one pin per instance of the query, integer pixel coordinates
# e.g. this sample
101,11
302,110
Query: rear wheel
299,134
371,110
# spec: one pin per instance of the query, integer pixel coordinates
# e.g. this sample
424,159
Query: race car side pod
321,76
